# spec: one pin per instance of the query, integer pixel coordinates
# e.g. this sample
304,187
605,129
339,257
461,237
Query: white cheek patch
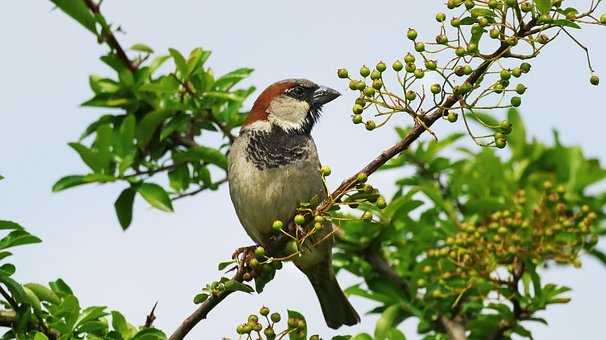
288,113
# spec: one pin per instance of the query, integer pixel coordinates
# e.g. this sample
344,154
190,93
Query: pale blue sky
46,59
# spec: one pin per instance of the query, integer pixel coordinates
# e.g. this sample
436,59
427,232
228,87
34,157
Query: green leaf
149,334
149,125
43,293
40,336
18,238
124,207
60,288
120,325
300,334
483,119
155,196
225,264
89,157
199,298
387,321
362,336
233,286
179,61
517,137
157,62
142,48
125,144
196,59
565,23
15,288
179,178
4,225
543,6
230,79
79,12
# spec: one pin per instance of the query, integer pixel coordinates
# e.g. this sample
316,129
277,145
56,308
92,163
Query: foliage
466,235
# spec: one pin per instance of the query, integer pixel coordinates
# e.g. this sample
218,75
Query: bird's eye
296,92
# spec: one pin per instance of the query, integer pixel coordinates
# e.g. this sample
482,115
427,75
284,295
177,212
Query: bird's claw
243,250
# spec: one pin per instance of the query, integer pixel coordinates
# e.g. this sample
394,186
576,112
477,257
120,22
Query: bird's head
294,105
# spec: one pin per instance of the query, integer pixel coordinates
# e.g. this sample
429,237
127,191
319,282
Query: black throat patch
275,148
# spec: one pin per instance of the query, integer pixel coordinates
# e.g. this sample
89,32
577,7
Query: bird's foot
243,252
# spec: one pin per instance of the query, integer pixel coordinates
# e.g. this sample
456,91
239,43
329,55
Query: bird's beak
323,95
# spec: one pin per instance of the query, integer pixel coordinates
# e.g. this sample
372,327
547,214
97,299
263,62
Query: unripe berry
275,317
420,47
353,85
516,101
440,17
455,22
260,252
500,143
505,126
325,170
375,75
594,80
436,88
364,71
467,69
369,92
492,4
442,39
411,95
360,101
469,4
361,177
460,51
505,74
495,33
269,333
411,34
603,19
544,19
397,66
357,119
430,64
542,39
419,73
520,89
366,216
511,3
410,68
516,72
254,263
525,67
381,202
483,22
526,7
277,225
240,329
377,84
381,67
292,247
370,125
357,109
452,116
253,318
472,47
409,58
314,337
360,85
299,219
342,73
459,71
264,311
292,323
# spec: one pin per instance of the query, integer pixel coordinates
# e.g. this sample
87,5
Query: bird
273,167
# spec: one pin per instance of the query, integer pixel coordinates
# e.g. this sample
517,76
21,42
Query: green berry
419,73
381,67
397,66
436,88
264,311
361,177
411,95
520,89
420,47
375,75
440,17
257,327
460,51
277,225
516,72
292,323
516,101
505,74
469,4
269,333
511,41
492,4
314,337
452,116
253,318
472,47
292,247
526,7
342,73
542,39
260,252
511,3
377,84
431,65
409,58
411,34
505,126
369,92
360,101
459,71
495,33
357,109
467,69
370,125
366,216
275,317
254,263
240,329
410,68
299,219
603,19
545,18
381,202
325,170
594,80
364,71
525,67
353,85
483,22
360,85
357,119
500,143
455,22
442,39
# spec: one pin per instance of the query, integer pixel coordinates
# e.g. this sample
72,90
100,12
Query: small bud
381,67
516,101
505,74
253,318
269,333
525,67
594,80
410,95
516,72
419,73
325,170
467,69
342,73
495,33
505,126
436,88
442,39
542,39
526,7
292,247
472,48
521,89
275,317
357,109
411,34
410,68
440,17
430,64
381,202
260,252
452,116
357,119
374,75
366,216
420,47
377,84
460,51
361,177
409,58
603,19
369,92
455,22
500,143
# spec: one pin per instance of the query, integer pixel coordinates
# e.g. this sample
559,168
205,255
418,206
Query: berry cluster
296,326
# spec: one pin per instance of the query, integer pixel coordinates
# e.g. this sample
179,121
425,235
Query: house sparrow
273,167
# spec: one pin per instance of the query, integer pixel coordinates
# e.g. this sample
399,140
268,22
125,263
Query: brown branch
151,317
110,38
454,329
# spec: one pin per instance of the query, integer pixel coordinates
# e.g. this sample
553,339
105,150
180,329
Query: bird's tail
336,308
